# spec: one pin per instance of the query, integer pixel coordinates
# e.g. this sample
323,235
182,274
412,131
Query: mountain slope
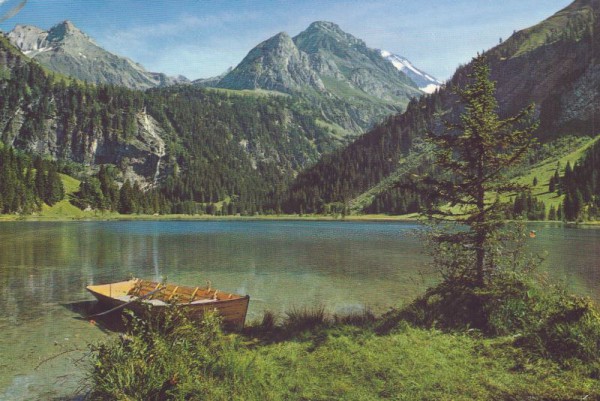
424,81
352,85
554,64
191,144
67,50
343,60
275,64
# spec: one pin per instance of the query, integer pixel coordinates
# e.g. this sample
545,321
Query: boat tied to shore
196,301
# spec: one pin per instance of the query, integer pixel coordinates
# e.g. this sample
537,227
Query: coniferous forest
185,149
219,145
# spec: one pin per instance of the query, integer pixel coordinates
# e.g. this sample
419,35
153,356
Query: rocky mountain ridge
353,85
553,64
424,81
65,49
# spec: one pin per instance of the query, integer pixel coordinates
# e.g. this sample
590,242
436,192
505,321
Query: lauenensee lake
343,266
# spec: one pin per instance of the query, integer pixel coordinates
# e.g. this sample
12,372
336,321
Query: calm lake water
344,266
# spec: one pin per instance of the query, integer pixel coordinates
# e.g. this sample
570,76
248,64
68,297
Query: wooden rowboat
232,308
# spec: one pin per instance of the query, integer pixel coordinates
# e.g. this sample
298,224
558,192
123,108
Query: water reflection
44,267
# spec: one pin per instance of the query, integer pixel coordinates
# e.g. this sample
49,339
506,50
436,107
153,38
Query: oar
127,303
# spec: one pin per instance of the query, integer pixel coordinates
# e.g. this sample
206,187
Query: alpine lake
282,265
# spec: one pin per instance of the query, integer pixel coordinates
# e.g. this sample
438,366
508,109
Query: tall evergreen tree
54,186
476,153
126,199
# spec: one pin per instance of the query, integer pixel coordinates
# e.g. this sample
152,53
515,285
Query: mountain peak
424,81
278,44
325,35
275,64
325,25
67,24
64,48
282,38
60,31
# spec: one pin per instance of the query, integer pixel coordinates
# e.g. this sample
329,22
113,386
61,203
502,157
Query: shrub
569,328
159,357
545,320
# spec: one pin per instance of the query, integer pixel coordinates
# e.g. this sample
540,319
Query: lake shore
108,216
91,216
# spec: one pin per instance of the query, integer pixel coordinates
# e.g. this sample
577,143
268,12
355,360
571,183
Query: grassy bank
65,211
307,355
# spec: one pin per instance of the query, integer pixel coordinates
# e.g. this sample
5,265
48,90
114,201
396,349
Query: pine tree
126,201
476,153
40,178
54,186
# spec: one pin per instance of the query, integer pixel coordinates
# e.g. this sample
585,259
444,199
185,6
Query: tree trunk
480,258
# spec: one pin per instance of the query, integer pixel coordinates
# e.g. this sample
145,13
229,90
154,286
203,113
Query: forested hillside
581,186
26,183
553,64
189,144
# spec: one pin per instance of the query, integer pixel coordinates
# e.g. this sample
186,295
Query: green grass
544,170
248,92
413,365
345,91
327,360
337,131
545,32
70,184
64,210
342,89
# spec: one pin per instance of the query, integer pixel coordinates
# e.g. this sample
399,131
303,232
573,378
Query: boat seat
129,298
202,301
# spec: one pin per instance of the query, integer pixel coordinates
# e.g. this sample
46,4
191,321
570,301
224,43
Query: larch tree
473,157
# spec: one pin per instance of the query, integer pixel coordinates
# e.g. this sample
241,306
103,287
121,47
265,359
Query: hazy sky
202,38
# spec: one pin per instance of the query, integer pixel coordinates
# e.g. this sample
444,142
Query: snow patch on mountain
430,88
424,81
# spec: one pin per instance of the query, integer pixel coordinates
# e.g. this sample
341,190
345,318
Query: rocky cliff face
140,158
275,64
352,85
67,50
555,65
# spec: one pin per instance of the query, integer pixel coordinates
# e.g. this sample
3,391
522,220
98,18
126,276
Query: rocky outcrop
275,64
555,65
67,50
352,85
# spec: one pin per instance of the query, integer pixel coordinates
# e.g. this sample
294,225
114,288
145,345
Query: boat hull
232,311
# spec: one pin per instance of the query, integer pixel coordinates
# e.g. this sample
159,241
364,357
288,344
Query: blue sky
202,38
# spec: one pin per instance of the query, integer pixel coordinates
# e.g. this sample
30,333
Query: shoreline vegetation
308,354
108,216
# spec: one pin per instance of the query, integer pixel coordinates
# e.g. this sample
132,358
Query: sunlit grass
319,357
544,170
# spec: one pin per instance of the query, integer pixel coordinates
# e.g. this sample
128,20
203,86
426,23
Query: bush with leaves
163,357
